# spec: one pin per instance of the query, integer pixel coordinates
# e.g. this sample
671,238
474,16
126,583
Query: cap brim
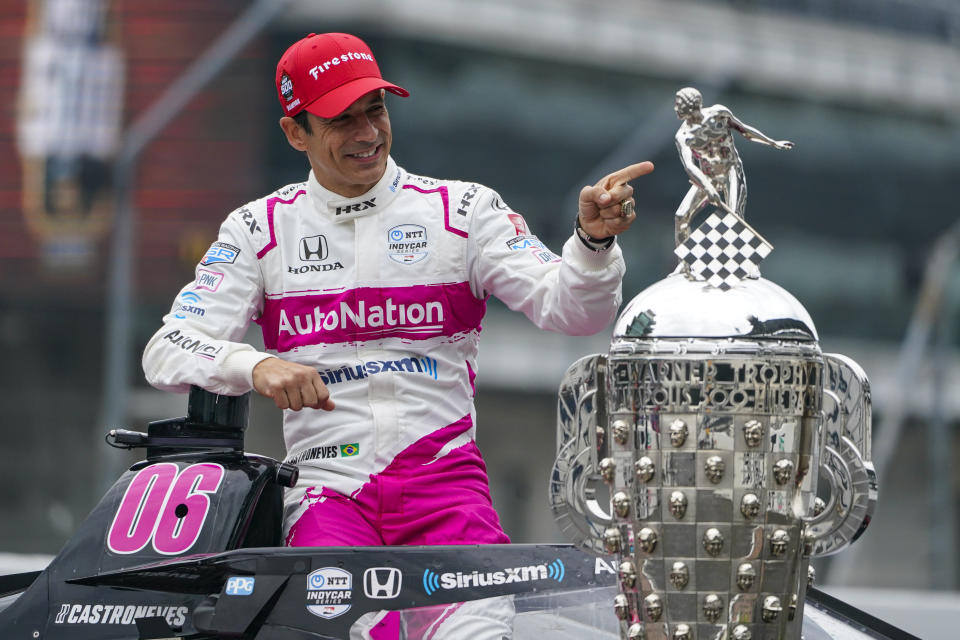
335,102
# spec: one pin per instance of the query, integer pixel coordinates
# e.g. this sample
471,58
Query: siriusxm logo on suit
382,583
313,248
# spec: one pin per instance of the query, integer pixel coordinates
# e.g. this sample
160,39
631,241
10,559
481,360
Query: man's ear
296,136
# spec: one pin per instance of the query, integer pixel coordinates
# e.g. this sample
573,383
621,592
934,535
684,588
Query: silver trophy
714,449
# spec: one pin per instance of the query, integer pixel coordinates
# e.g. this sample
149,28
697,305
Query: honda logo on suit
313,248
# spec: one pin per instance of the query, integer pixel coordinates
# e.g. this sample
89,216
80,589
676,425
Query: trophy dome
679,307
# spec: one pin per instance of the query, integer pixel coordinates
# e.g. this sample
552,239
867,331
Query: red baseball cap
326,73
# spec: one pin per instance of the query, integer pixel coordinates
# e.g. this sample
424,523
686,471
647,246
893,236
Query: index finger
625,175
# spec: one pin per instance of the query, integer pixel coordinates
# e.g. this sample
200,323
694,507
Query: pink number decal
177,532
136,519
165,507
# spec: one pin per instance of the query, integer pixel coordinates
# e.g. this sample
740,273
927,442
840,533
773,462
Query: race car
187,544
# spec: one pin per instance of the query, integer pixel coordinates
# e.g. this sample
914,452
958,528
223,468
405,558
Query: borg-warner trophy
732,448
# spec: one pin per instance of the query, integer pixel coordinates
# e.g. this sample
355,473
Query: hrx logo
356,207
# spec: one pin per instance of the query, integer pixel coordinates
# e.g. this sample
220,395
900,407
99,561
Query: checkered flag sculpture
723,251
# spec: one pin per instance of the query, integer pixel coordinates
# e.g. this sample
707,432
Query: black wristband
594,244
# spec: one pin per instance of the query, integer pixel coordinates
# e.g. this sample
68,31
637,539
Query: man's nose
366,130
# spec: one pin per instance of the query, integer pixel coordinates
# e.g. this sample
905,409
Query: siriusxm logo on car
433,581
239,586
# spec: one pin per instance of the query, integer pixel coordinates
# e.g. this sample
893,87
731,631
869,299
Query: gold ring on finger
626,208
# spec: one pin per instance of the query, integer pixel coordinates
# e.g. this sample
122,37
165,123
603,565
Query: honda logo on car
382,583
329,592
462,580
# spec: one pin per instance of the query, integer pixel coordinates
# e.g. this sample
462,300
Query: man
709,155
369,284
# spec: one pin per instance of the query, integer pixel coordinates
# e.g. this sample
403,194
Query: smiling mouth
363,155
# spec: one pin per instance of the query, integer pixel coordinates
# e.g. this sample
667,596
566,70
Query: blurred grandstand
534,98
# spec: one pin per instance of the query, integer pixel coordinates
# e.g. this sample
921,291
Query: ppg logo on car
239,586
381,583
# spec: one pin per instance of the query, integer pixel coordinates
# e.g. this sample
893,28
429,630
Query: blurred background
129,129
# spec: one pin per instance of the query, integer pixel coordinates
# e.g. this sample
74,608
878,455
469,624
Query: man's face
348,153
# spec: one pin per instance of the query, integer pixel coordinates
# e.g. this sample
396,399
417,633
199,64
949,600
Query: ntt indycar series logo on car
329,592
433,581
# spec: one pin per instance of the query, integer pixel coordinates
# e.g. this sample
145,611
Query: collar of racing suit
340,209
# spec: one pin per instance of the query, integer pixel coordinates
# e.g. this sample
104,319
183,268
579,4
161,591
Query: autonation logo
433,581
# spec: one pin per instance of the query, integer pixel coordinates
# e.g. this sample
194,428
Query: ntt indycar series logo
433,581
329,592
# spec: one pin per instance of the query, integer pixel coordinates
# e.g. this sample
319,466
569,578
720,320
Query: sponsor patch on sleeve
525,242
189,302
209,280
546,255
220,253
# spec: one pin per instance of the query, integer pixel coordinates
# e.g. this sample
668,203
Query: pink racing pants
431,494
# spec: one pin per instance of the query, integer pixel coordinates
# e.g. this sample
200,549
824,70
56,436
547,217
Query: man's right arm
199,342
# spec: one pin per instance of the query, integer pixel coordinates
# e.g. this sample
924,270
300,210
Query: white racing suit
384,295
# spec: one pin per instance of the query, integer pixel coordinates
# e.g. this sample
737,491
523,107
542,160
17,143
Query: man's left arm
578,294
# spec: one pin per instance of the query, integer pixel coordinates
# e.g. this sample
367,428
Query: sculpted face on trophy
733,449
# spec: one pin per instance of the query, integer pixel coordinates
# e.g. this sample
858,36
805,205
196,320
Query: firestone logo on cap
352,55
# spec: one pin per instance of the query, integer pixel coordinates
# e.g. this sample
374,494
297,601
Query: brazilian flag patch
347,450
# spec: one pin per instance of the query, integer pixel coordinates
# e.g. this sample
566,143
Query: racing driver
369,284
